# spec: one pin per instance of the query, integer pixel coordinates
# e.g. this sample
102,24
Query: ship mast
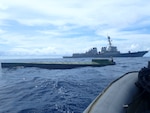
109,40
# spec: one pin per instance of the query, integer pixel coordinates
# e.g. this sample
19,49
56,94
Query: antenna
109,40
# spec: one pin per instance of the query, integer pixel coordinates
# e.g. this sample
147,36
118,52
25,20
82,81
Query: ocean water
35,90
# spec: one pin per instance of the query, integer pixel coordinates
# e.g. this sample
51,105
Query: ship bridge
92,51
110,49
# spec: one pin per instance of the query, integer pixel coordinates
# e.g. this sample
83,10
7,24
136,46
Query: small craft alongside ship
129,93
105,52
60,65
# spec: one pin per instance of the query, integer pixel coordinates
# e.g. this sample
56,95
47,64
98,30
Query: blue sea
35,90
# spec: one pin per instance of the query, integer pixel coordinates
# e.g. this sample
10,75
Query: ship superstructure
110,51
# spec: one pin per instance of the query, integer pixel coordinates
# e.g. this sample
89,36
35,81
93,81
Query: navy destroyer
105,52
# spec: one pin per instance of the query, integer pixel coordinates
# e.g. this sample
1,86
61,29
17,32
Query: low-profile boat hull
60,65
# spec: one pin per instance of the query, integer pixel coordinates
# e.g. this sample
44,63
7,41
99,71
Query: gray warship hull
108,55
105,52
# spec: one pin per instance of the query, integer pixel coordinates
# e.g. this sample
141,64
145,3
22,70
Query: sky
61,27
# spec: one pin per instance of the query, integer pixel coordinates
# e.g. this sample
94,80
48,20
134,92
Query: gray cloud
56,27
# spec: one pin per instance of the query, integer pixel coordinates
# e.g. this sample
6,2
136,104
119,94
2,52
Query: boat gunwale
91,105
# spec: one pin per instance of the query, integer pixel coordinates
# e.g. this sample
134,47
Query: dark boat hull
94,63
107,55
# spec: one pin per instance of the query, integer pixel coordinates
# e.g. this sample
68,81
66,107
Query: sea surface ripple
35,90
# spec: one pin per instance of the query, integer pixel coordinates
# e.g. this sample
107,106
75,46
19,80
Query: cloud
2,31
63,27
113,13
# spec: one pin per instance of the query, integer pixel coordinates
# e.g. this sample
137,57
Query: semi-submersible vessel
105,52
